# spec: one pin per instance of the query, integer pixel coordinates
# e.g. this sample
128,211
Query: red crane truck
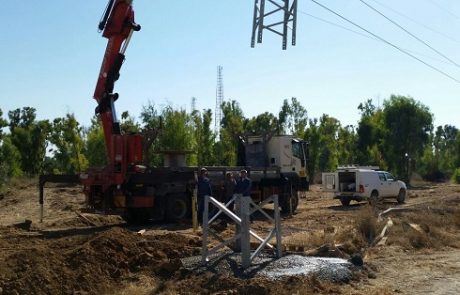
276,164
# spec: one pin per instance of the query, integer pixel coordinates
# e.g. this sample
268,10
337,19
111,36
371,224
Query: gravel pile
267,266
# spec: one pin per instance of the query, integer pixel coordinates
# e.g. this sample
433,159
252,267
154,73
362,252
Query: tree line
399,136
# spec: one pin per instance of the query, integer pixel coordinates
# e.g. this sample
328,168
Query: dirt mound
88,264
210,283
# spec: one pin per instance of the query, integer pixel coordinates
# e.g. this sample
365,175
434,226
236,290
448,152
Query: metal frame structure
245,208
263,9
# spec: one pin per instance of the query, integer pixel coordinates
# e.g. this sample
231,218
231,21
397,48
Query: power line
337,25
366,36
405,30
387,42
444,9
416,22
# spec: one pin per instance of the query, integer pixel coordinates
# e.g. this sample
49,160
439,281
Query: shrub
456,176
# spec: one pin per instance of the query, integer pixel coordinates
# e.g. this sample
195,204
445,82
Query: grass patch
366,225
427,228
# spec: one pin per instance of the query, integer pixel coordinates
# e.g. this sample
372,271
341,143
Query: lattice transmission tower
270,15
219,101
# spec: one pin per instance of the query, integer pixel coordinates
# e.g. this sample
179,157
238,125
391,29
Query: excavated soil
413,249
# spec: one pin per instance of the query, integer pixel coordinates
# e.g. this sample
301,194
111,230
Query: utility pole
219,101
267,15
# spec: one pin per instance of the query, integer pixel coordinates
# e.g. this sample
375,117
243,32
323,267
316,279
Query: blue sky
51,54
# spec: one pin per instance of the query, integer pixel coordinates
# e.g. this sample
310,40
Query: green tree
152,125
30,138
177,133
293,118
440,155
66,136
232,127
3,124
262,124
407,127
128,124
312,136
370,136
204,136
10,159
95,149
328,153
346,145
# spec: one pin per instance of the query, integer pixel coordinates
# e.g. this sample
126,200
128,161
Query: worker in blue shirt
243,185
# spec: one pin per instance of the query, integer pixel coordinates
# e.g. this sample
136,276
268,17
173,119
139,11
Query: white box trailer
363,184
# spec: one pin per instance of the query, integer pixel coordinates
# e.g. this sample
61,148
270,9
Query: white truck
363,184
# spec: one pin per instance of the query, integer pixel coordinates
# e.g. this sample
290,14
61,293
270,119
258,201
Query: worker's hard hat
243,171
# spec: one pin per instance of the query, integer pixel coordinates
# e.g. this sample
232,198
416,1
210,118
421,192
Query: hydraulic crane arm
117,25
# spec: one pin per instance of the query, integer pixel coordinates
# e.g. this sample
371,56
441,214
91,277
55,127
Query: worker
243,185
204,189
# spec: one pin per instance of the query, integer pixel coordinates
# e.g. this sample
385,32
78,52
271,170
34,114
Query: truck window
297,150
382,176
389,177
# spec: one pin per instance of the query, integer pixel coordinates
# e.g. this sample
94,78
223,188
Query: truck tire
345,201
177,207
291,199
374,198
401,196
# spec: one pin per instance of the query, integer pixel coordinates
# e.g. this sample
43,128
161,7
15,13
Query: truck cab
363,184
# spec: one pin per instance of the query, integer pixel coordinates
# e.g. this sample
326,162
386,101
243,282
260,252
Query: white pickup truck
354,183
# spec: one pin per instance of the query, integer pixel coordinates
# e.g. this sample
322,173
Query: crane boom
117,25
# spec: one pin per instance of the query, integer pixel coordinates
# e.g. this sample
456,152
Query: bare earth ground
73,253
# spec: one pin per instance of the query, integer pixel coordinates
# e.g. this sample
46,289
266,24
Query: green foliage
456,176
30,139
128,124
204,137
261,124
95,150
441,155
3,123
177,133
346,145
10,160
66,136
370,131
152,125
293,118
328,151
313,136
232,126
407,125
382,137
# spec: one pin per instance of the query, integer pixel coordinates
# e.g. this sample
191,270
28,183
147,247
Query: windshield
297,151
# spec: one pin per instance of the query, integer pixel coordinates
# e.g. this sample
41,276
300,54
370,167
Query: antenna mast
219,101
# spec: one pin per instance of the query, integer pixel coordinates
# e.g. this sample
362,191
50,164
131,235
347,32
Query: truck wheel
401,196
177,207
345,201
374,198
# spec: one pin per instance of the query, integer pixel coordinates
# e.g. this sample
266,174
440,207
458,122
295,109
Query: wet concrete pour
267,266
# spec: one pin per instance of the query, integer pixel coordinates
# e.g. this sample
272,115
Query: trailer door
330,182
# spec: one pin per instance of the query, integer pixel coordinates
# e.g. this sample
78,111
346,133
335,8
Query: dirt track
93,254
